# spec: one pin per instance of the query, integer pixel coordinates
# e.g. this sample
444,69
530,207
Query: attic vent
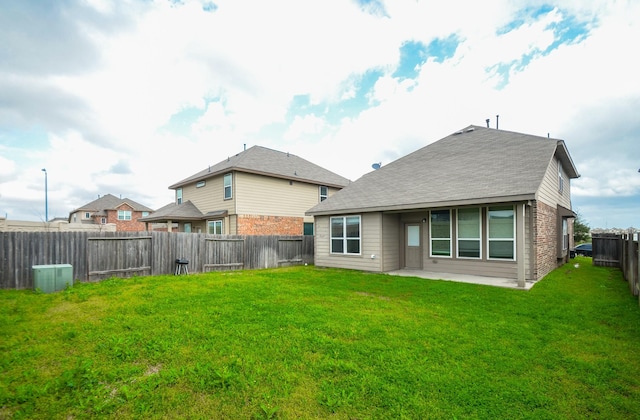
470,129
459,132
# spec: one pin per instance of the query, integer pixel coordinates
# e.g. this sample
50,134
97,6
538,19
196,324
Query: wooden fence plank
96,255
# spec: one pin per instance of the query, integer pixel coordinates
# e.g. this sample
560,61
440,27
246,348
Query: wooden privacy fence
620,251
96,256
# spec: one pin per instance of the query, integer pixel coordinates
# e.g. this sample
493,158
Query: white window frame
344,238
560,178
219,223
512,239
103,220
432,238
323,195
124,215
460,238
87,215
201,184
565,234
227,186
179,196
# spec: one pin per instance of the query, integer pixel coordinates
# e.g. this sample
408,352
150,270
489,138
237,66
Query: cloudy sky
128,97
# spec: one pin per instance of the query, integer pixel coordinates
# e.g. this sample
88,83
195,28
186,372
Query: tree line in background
581,230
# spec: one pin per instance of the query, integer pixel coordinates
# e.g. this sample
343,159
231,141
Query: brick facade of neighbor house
270,225
546,240
126,225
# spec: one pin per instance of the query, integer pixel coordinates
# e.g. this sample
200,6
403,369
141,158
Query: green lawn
306,342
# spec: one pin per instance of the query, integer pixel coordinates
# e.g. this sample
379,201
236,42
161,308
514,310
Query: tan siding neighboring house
268,193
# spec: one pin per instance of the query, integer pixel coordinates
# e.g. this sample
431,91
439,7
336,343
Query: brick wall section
125,225
545,239
269,225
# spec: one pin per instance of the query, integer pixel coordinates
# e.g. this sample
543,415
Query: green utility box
52,278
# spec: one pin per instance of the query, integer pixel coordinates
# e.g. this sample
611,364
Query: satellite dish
376,166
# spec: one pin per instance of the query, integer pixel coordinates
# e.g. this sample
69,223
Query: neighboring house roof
264,161
183,211
110,202
472,166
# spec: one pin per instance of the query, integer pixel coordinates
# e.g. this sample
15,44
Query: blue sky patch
412,55
373,7
567,31
181,122
526,15
334,112
442,48
32,138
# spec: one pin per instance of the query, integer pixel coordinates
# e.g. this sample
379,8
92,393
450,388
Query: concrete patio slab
463,278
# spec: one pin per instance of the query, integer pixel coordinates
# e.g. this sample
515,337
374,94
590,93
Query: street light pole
46,197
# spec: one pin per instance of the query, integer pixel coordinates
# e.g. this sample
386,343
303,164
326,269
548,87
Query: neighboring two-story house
258,191
109,209
481,201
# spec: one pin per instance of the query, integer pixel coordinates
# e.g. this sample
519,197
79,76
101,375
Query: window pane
440,247
501,249
308,229
440,224
469,223
337,246
413,235
469,249
337,230
227,186
353,246
501,222
353,227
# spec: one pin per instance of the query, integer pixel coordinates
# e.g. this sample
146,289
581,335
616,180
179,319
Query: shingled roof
475,165
111,202
264,161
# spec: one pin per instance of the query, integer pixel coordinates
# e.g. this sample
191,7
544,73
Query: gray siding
549,191
371,234
391,241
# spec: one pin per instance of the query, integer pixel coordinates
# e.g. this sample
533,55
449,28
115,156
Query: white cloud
135,65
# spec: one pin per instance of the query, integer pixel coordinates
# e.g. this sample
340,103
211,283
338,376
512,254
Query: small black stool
181,266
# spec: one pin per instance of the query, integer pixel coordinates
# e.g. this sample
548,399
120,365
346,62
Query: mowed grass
306,342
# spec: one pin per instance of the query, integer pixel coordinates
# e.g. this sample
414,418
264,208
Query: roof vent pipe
487,122
497,116
245,146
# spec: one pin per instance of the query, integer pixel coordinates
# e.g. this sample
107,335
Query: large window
501,238
124,215
215,227
441,233
345,235
469,233
179,196
227,186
